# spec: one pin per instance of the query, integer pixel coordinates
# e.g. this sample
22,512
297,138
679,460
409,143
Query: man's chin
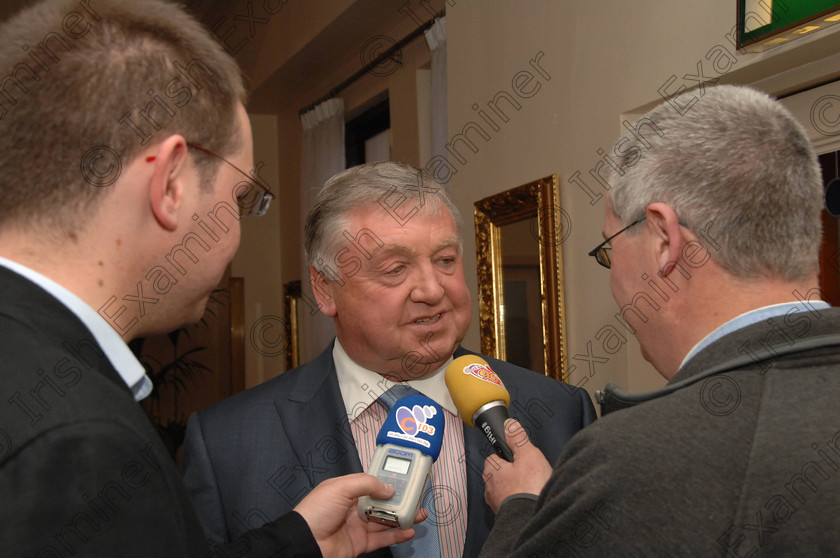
437,348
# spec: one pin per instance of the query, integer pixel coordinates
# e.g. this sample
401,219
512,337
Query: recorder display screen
396,465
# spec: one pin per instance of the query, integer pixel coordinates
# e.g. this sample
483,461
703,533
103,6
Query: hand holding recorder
406,446
340,533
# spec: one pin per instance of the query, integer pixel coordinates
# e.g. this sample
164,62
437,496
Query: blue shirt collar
752,317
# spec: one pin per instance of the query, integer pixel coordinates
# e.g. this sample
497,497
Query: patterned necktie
426,542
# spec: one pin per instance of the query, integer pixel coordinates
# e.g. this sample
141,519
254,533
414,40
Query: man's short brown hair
87,84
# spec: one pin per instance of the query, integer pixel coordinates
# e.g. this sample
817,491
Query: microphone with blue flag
406,446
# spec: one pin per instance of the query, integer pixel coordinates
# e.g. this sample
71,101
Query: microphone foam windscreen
415,421
472,384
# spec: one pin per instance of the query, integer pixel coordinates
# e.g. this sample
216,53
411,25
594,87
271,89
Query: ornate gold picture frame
537,203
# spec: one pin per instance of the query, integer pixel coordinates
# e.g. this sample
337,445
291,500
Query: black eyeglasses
250,208
603,252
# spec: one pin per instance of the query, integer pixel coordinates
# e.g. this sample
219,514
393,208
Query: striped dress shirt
360,388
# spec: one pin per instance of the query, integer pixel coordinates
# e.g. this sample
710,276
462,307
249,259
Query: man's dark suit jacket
82,471
253,456
743,463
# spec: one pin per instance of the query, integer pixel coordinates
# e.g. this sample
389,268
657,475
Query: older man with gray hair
384,247
712,239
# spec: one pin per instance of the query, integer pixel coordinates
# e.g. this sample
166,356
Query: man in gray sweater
739,455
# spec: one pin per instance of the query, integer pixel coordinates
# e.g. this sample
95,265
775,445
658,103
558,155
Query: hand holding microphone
481,399
527,474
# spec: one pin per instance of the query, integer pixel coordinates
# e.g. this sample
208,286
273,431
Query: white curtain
436,38
322,156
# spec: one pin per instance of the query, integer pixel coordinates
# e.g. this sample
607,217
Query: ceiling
306,50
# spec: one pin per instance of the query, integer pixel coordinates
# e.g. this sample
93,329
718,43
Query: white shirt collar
118,353
361,387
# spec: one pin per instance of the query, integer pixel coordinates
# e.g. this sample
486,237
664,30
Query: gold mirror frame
539,200
292,293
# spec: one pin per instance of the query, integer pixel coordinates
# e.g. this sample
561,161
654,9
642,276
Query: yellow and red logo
483,372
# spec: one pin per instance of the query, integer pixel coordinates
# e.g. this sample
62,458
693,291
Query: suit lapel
313,418
479,516
311,408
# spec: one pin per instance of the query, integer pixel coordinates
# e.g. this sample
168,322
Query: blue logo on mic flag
415,421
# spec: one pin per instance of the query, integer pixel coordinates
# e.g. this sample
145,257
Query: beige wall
257,262
602,61
605,59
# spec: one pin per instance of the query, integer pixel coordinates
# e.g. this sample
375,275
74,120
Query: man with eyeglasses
105,237
739,455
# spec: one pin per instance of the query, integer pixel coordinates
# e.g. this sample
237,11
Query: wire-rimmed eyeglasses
603,252
251,208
